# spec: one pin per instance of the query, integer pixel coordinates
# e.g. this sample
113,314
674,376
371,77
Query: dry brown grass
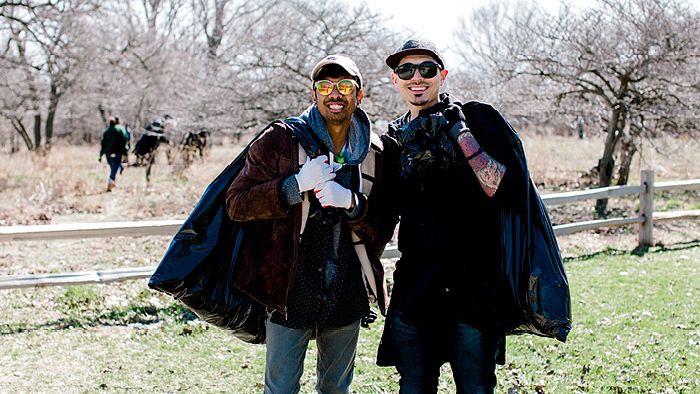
67,185
559,163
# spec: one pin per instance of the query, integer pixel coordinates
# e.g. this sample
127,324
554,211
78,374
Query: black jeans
421,351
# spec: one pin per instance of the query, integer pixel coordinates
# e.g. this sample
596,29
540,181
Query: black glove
368,319
456,122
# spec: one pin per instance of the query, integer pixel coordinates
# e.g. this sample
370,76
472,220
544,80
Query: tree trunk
606,164
627,151
17,124
13,143
53,105
37,130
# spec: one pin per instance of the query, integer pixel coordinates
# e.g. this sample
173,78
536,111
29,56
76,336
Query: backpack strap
367,170
305,204
370,280
369,165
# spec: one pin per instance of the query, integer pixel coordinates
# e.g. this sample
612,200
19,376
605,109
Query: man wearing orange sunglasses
311,253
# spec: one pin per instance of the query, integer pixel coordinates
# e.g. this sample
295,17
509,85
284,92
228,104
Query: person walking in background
448,184
127,146
298,256
114,146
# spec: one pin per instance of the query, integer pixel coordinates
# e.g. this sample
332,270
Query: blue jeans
286,348
422,350
114,164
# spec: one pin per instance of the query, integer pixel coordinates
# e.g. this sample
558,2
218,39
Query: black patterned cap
414,47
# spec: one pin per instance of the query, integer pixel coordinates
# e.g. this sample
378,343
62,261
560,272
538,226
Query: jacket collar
310,126
445,99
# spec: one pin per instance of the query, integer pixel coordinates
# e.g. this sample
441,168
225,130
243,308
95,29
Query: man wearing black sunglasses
309,240
448,185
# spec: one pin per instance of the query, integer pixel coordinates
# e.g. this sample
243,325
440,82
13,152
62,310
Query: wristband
475,154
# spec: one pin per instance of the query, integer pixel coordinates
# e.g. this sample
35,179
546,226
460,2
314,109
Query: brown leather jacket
269,251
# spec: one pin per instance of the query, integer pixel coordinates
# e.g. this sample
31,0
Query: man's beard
338,118
419,101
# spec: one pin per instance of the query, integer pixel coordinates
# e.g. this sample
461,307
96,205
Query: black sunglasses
426,69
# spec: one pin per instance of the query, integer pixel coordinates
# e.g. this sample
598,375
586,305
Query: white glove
313,172
331,194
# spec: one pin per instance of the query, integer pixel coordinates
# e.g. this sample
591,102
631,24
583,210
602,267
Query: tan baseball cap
343,61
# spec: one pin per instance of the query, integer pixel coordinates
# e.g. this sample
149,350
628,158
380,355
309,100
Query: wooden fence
645,220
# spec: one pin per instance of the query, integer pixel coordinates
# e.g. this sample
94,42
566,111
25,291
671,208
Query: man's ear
394,78
313,95
443,74
360,96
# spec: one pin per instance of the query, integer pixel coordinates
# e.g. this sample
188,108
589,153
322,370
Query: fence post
646,209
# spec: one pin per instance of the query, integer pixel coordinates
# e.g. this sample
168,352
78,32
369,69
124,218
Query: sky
436,21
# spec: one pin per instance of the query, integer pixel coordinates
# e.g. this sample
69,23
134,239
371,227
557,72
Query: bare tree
254,62
20,88
19,98
45,45
222,19
280,51
138,65
634,62
227,65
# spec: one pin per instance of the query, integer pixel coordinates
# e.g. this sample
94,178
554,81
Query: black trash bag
199,265
536,296
538,288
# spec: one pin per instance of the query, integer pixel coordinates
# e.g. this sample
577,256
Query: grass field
636,330
636,315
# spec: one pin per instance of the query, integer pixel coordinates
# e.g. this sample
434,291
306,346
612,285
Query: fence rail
75,278
89,230
647,217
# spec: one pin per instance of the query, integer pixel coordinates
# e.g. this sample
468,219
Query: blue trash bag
199,265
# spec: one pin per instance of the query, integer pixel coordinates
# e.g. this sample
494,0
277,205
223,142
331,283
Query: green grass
677,200
636,330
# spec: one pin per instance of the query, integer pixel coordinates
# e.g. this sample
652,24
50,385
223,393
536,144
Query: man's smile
418,89
336,107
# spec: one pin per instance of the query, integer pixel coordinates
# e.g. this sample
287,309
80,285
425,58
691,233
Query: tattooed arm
488,171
